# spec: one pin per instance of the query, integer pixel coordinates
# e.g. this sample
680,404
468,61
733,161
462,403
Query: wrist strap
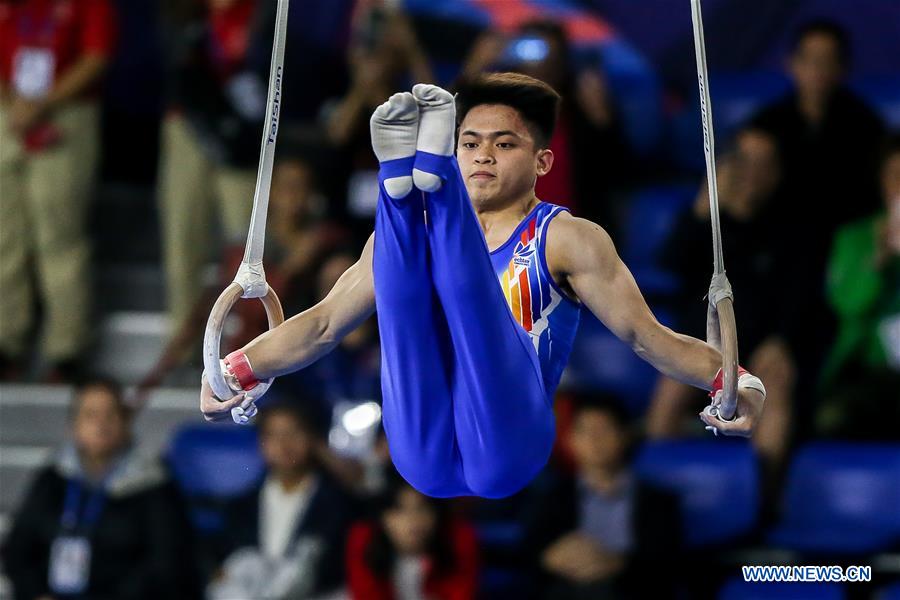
239,364
719,380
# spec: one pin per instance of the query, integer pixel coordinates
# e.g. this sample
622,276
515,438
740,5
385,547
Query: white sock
437,128
394,126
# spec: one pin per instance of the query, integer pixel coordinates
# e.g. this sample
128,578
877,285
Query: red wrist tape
719,381
240,366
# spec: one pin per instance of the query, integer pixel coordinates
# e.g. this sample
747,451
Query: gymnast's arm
581,255
306,337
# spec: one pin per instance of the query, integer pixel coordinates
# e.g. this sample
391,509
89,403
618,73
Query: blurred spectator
599,532
758,246
384,57
301,233
413,549
829,138
210,140
591,156
102,521
52,59
285,539
862,375
830,142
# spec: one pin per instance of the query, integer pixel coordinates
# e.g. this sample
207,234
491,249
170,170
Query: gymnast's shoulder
574,244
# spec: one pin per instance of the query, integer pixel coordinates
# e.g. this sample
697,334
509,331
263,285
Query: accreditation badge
70,564
33,72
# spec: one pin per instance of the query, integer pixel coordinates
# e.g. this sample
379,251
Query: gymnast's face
498,157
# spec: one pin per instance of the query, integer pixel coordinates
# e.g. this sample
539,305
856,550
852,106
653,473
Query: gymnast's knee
504,474
432,480
492,482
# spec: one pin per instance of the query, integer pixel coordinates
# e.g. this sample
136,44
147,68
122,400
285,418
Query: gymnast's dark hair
381,555
827,28
536,101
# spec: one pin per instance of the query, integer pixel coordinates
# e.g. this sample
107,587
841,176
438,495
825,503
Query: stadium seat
215,460
716,482
735,98
841,498
211,464
738,589
892,592
883,94
651,216
601,362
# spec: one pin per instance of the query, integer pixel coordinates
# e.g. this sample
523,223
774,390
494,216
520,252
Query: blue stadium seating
892,592
883,95
715,480
738,589
841,498
212,460
212,463
601,362
735,98
651,216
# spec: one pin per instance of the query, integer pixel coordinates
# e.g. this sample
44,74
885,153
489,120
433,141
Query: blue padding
738,589
396,168
215,461
841,498
716,482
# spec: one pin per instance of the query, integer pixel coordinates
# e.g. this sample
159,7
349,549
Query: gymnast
478,286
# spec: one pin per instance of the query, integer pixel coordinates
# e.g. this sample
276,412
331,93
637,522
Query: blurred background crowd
129,140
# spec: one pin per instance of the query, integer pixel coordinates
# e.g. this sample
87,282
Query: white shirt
280,512
409,577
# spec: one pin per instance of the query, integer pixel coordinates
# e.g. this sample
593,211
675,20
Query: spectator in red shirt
413,549
53,54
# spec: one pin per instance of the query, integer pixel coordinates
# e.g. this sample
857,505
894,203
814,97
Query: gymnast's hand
750,402
217,410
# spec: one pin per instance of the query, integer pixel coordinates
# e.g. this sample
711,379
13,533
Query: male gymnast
478,286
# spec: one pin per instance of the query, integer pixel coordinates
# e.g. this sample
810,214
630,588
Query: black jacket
328,517
141,545
656,529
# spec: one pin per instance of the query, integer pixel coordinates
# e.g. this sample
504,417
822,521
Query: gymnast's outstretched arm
306,337
581,255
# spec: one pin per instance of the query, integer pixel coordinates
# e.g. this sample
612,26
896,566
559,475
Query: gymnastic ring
212,338
727,408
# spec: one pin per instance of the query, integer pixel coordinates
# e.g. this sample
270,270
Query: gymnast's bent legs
446,327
